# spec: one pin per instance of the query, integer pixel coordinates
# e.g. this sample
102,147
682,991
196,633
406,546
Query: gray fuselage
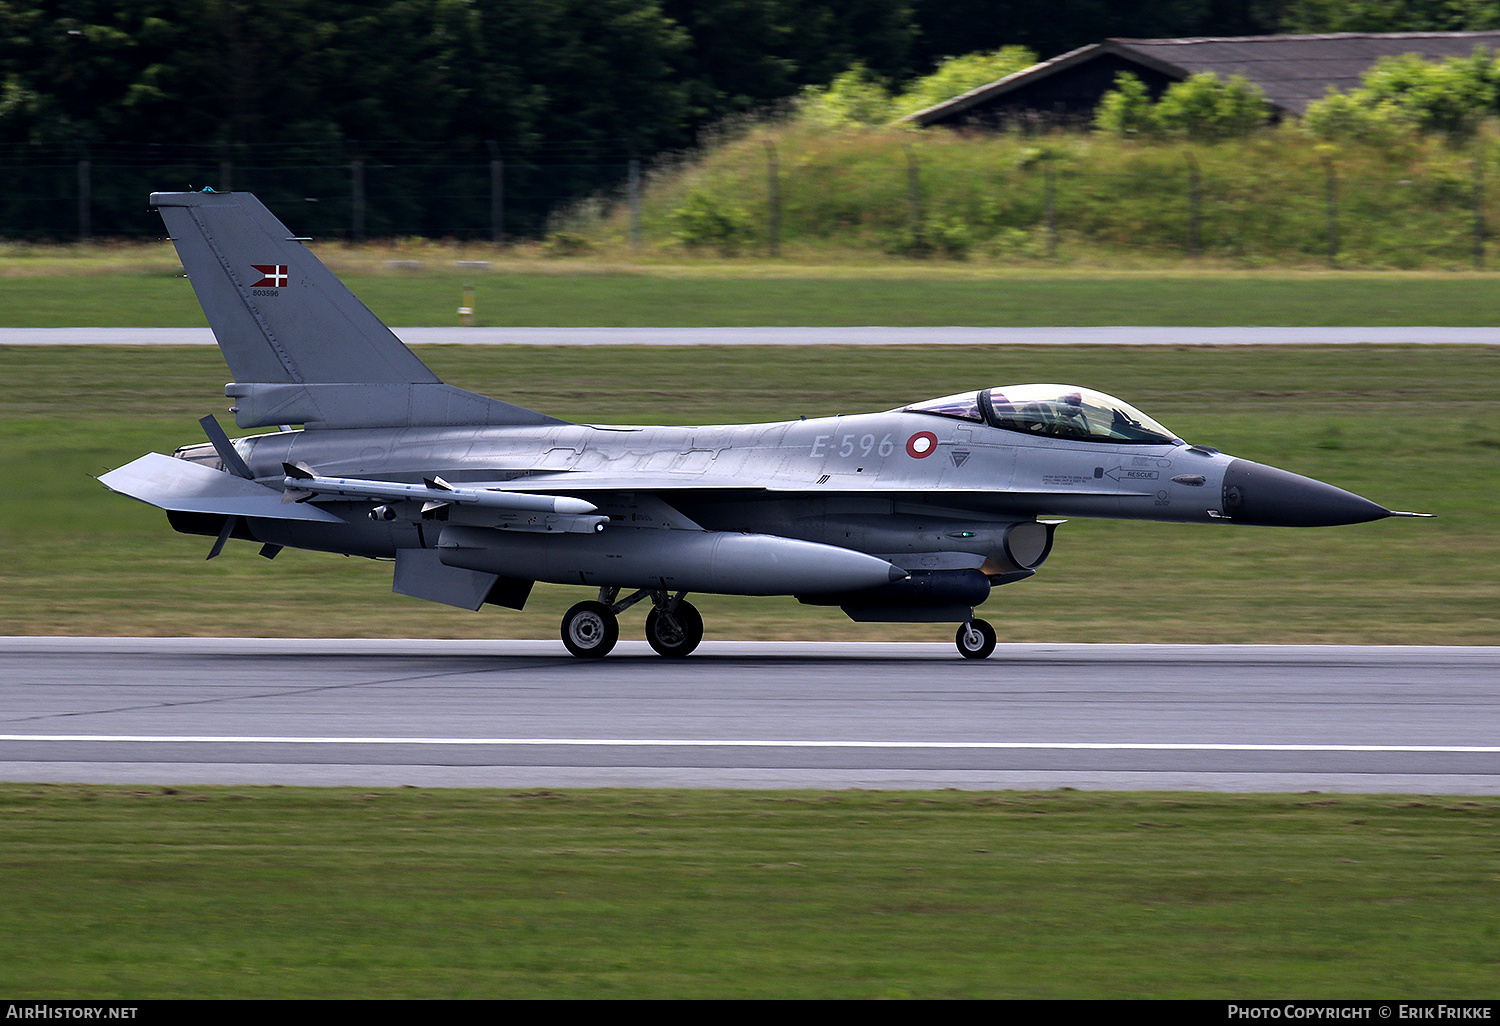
875,483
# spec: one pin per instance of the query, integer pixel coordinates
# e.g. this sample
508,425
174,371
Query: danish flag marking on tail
276,276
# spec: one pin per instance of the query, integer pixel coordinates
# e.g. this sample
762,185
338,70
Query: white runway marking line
702,743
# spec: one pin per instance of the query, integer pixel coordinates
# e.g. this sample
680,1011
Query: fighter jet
913,514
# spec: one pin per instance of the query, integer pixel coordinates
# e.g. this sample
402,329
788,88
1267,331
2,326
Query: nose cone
1257,494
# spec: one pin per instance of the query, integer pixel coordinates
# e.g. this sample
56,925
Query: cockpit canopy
1057,411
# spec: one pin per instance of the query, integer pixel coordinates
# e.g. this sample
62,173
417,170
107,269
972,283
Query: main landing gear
673,627
590,630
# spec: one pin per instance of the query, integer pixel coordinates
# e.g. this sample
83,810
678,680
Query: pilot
1073,421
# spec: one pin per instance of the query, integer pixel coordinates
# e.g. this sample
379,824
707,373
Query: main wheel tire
590,630
975,639
677,633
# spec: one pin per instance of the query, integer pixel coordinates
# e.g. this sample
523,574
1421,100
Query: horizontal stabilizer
185,487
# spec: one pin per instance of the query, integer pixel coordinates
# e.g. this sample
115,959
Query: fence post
85,197
1049,204
914,198
773,199
1331,205
635,203
497,201
1195,208
1480,229
357,197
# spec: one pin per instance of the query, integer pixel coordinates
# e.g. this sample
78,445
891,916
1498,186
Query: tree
1053,27
90,70
1311,16
744,55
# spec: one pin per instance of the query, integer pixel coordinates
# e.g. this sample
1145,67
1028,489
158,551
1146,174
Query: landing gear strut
975,639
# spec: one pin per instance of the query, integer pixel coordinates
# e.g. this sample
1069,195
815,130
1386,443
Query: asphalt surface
746,714
874,335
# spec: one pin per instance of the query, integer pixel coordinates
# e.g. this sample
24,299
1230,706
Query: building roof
1292,70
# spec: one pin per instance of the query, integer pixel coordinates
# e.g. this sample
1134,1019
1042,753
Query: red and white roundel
921,445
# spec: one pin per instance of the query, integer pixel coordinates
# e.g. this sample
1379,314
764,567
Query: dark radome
1257,494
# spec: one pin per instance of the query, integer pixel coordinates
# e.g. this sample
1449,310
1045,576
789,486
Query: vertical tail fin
301,347
278,313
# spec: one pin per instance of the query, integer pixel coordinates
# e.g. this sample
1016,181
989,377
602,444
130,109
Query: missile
301,483
706,561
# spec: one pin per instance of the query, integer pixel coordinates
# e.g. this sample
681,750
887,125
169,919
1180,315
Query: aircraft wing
186,487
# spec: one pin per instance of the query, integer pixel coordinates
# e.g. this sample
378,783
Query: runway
749,714
1112,335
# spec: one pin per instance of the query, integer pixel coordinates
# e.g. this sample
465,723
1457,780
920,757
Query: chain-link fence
764,201
916,204
51,194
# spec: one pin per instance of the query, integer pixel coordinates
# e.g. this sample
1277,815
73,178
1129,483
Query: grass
1412,427
79,290
412,893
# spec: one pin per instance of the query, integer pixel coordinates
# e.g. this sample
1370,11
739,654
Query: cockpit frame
1052,411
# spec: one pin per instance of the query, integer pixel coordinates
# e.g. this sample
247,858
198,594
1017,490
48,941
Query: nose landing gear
975,639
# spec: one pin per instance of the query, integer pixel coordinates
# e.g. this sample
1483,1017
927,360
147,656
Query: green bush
1343,117
957,75
1203,107
703,222
858,99
854,99
1127,109
1406,93
949,237
566,244
1449,96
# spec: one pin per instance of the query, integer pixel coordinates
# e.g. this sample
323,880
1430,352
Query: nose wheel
975,639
